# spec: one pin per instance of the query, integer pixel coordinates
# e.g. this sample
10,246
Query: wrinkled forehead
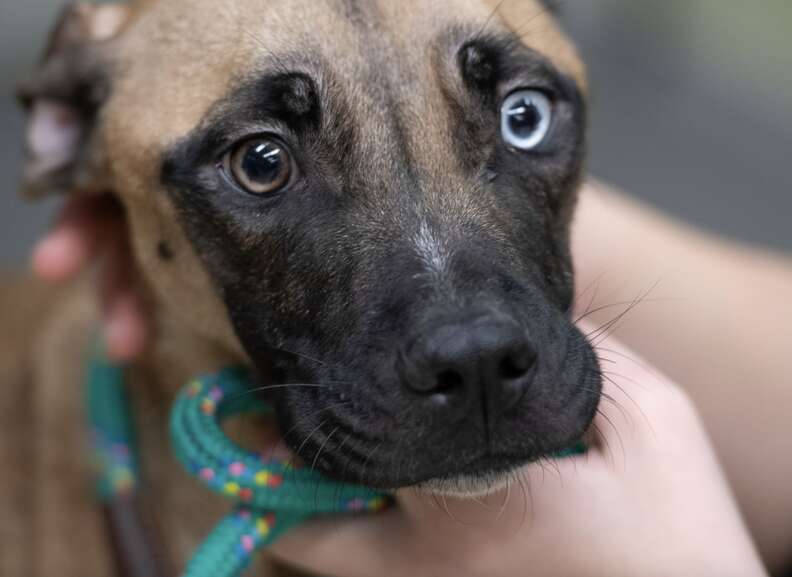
179,57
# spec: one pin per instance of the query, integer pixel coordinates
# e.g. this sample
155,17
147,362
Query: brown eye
260,166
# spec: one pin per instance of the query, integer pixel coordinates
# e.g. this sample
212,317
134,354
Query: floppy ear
63,98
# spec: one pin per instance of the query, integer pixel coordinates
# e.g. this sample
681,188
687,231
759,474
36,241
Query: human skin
88,231
717,318
711,314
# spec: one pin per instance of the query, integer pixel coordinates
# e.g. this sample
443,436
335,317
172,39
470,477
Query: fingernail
44,255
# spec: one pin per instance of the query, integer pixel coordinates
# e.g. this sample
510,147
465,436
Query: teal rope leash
112,431
137,552
271,496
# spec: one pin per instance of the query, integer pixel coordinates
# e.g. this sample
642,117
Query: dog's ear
63,98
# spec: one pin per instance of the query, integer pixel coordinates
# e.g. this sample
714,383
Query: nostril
448,380
516,365
461,360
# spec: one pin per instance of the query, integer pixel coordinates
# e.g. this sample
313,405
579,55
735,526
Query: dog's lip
495,462
480,467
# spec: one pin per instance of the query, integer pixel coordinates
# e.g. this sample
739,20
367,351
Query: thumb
349,547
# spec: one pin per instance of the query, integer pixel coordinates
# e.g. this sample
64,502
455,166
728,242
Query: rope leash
270,496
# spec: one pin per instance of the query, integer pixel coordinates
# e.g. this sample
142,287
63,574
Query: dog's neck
178,351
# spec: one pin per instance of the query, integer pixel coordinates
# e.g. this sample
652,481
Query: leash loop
270,496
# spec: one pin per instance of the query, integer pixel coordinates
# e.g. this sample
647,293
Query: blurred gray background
692,110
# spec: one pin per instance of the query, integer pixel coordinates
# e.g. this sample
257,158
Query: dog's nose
488,358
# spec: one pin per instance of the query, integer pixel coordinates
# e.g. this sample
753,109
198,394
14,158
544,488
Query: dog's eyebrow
274,101
489,58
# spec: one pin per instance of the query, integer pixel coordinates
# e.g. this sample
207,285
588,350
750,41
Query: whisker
487,22
638,363
280,65
453,517
301,447
284,436
527,494
616,431
481,501
546,10
521,34
630,380
436,500
506,500
553,467
633,401
280,386
604,439
599,309
305,441
316,460
596,285
300,355
605,331
322,385
626,415
340,493
368,458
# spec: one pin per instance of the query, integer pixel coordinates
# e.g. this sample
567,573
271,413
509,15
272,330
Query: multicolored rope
112,431
270,496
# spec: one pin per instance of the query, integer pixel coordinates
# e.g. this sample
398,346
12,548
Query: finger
61,254
123,310
344,547
125,328
74,240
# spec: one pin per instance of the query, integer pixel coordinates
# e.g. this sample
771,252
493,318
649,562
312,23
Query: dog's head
377,194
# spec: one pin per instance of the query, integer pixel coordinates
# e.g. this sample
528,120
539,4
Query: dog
368,196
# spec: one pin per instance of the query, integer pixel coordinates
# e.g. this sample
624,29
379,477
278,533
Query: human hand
649,498
88,231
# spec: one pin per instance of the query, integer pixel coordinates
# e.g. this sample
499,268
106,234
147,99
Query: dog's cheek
169,267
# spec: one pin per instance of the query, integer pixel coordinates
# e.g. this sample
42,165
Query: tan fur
171,60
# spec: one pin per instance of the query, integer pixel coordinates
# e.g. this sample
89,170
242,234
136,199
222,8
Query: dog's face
380,194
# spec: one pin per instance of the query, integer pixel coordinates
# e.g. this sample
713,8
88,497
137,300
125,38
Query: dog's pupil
263,162
524,118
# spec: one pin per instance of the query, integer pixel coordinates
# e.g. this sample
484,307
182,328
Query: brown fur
168,62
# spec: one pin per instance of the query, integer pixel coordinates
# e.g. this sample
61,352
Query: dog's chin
467,486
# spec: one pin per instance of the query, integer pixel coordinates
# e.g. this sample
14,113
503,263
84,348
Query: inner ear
63,96
54,134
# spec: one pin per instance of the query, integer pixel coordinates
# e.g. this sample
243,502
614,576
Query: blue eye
526,116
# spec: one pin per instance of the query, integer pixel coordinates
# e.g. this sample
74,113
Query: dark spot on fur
479,65
298,95
353,11
164,251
